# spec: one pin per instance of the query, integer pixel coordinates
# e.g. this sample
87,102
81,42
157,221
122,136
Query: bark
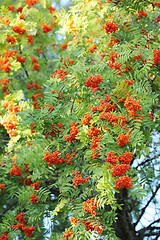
123,227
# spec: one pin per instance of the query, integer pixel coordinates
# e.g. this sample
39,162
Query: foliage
79,104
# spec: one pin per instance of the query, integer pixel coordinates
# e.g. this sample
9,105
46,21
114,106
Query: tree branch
147,160
144,209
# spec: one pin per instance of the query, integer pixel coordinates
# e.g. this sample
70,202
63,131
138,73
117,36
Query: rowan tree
79,106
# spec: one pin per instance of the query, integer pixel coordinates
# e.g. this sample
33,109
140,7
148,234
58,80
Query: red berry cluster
27,230
31,3
111,26
78,178
141,14
89,206
45,28
123,139
61,73
156,56
104,106
15,170
4,83
92,225
132,106
2,187
117,169
95,147
34,199
18,29
35,185
53,158
93,132
93,82
67,234
4,236
123,182
86,119
73,132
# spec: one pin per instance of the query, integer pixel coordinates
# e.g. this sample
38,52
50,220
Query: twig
144,209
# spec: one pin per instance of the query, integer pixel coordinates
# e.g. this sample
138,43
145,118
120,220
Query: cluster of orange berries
35,85
4,61
64,46
31,3
156,56
35,185
117,169
137,57
86,119
20,59
104,106
93,131
67,234
92,223
11,8
30,37
73,132
37,95
156,3
95,146
113,56
50,108
27,230
10,122
15,170
18,29
141,14
68,159
20,217
53,158
132,106
78,178
11,39
92,48
51,9
92,226
115,65
114,41
111,26
89,206
110,117
123,139
93,82
35,64
4,236
2,187
123,182
4,83
5,21
45,28
26,180
34,199
68,62
61,73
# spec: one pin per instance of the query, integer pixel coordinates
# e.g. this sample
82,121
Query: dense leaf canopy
79,111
